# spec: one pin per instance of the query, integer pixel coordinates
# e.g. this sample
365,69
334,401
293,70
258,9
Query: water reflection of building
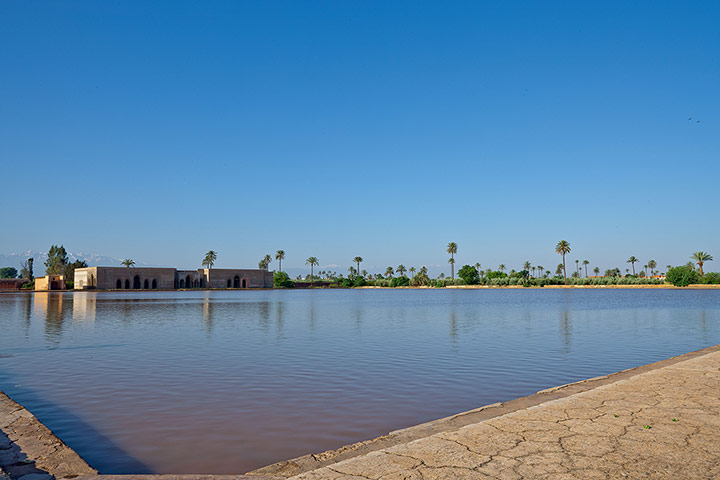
84,306
50,306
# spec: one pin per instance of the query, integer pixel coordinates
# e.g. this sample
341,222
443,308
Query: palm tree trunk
700,264
564,270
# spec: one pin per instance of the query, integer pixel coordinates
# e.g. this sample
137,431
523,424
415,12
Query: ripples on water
224,382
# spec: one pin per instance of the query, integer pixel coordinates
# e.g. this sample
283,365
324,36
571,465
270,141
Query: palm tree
358,260
652,264
412,271
401,270
477,266
452,250
632,261
540,269
128,262
596,271
668,266
502,267
209,259
389,272
563,248
526,265
586,263
280,256
312,261
700,258
364,273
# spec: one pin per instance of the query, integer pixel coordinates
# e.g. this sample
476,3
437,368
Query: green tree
358,260
312,261
401,270
452,249
632,261
682,276
469,275
586,263
280,256
502,267
526,265
57,260
282,280
700,258
596,271
412,271
26,270
389,272
209,259
8,272
128,262
69,271
577,267
563,248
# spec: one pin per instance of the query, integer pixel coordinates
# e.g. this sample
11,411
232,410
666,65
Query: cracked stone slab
660,423
30,451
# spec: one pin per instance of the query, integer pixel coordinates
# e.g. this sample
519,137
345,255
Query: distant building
150,278
12,283
50,282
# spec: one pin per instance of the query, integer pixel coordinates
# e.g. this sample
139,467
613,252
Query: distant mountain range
92,259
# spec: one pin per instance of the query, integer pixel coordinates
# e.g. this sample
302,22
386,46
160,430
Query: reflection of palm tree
128,262
452,250
312,261
280,256
563,248
700,258
632,260
209,259
358,260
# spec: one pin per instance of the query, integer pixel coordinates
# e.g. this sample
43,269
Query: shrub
682,276
382,282
359,282
469,275
282,280
400,282
711,278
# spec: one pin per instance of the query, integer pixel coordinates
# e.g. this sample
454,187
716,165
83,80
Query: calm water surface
224,382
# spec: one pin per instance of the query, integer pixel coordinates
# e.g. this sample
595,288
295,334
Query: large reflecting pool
228,381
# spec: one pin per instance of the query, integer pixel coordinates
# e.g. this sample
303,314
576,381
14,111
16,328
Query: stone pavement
663,423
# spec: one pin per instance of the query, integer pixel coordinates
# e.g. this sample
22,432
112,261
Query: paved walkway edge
314,461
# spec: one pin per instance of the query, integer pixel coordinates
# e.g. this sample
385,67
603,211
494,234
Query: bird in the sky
690,118
698,121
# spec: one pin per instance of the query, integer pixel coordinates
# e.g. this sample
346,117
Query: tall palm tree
452,250
389,272
267,259
652,264
577,266
412,271
540,269
312,261
632,261
563,248
596,271
700,258
209,259
477,266
401,270
501,267
586,263
128,262
280,256
358,260
526,265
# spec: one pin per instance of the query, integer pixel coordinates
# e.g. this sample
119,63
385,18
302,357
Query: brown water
224,382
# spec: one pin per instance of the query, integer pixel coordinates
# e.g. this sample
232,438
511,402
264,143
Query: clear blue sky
160,130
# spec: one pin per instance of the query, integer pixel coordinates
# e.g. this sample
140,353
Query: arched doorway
182,283
146,284
229,283
244,283
188,282
154,284
136,283
118,284
127,284
236,282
